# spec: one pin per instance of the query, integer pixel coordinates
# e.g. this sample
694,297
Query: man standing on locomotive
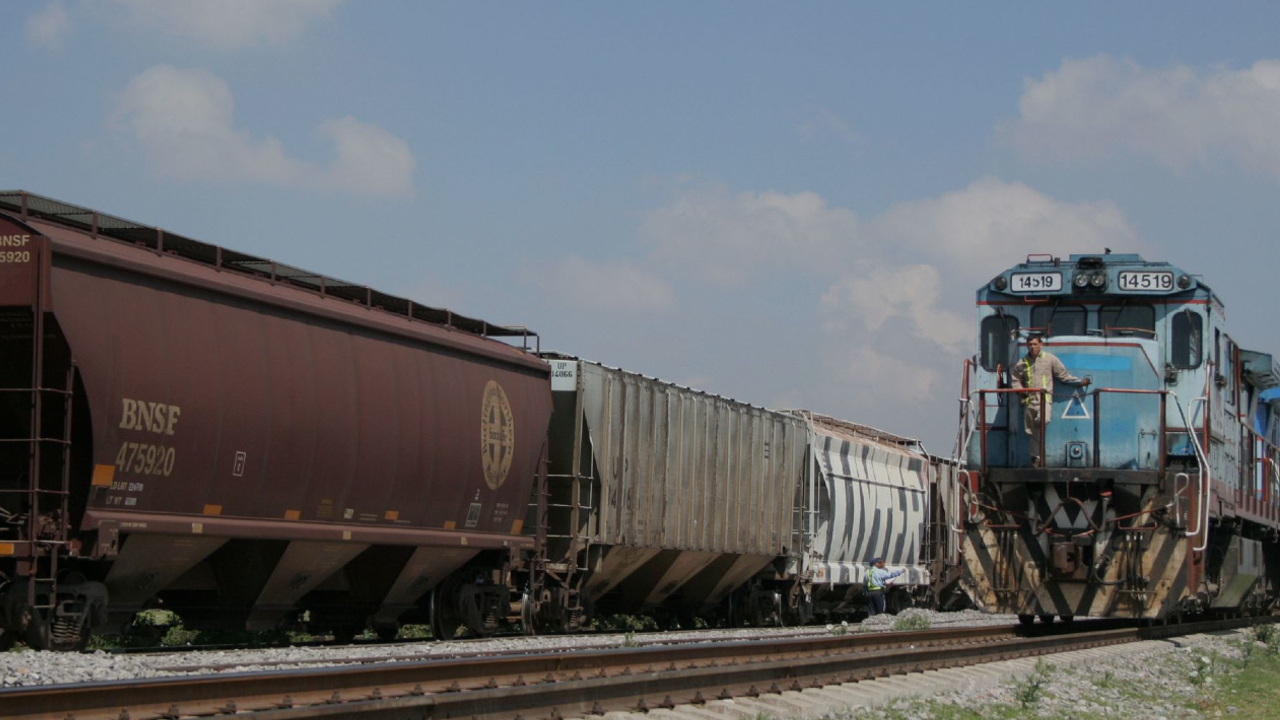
877,579
1037,371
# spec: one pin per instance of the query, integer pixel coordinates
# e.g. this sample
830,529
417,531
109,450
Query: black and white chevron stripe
878,508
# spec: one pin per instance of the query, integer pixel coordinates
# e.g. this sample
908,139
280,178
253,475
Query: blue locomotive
1149,492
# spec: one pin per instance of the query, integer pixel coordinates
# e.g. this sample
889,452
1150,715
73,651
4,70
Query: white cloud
730,239
908,297
589,286
184,123
48,27
369,159
227,24
877,379
1179,116
992,224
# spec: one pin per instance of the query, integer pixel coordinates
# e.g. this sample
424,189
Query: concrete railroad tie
815,702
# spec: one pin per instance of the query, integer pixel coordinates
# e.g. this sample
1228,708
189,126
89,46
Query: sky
790,204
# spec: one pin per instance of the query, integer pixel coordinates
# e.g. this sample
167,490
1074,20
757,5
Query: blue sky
787,203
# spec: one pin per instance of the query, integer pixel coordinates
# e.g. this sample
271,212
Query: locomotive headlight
1001,283
1098,279
1080,280
1184,281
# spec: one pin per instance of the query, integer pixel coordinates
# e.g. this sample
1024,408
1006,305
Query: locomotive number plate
1035,282
1145,281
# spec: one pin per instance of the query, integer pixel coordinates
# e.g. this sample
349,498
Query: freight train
1153,492
248,444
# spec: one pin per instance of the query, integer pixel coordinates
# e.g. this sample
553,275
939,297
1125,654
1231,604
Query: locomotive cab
1154,495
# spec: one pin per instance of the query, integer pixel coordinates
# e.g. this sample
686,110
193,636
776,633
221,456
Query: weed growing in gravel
1203,668
912,621
415,632
1246,652
1272,641
623,622
1264,633
1108,680
841,629
1030,689
629,640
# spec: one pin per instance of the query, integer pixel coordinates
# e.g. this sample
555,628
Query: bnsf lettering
14,240
153,417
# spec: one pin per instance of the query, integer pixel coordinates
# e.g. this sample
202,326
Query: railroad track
559,684
458,654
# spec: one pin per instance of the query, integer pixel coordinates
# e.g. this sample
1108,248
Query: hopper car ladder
44,495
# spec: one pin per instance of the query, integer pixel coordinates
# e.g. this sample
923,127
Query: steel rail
552,685
638,642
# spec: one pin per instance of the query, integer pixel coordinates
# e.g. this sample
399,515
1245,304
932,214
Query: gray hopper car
661,499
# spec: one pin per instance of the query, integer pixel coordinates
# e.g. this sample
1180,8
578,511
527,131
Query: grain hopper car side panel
694,493
205,359
260,420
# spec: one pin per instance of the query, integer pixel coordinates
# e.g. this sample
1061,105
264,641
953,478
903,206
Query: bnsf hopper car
245,441
1156,491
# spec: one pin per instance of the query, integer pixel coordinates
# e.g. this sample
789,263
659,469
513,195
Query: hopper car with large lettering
873,494
1157,493
244,441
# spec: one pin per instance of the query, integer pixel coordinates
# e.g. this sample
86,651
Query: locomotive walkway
556,685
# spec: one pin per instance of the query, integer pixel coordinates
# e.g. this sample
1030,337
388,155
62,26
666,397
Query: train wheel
64,634
1046,619
526,615
1026,619
1067,618
387,633
445,618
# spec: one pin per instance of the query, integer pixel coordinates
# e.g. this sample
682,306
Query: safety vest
1029,381
873,584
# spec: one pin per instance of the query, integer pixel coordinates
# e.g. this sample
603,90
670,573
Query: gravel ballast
30,667
1158,680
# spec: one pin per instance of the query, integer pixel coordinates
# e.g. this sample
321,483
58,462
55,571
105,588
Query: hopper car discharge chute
188,427
1151,493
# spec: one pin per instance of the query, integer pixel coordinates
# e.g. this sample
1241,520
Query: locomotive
247,444
1155,493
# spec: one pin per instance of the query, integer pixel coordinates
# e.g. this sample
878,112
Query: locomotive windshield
1128,319
1060,320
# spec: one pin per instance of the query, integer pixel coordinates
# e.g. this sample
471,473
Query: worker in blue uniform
877,580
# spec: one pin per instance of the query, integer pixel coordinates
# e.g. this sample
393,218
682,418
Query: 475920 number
145,459
15,256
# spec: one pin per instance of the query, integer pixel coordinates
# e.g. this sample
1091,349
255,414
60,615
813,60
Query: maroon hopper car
190,427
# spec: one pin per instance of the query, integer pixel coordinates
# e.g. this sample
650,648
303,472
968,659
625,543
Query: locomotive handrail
982,413
964,431
1097,432
965,496
1107,330
1203,476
